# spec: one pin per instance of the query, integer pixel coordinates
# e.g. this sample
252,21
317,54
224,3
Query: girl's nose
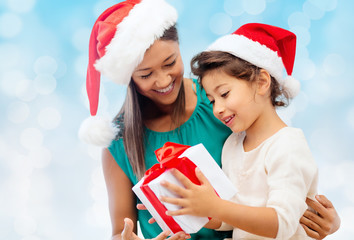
218,109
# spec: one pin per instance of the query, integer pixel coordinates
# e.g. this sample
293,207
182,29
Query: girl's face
234,100
160,74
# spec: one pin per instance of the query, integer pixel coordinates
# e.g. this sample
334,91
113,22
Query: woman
135,43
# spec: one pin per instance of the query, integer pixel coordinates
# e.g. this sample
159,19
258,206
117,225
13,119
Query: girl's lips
166,90
228,120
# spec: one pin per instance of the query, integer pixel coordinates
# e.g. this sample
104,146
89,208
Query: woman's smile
166,90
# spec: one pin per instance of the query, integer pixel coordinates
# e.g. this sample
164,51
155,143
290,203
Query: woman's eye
146,76
225,94
171,64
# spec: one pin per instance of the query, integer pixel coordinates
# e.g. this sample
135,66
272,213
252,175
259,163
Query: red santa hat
119,39
268,47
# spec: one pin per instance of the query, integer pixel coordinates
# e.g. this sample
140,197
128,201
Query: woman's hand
196,200
324,223
128,233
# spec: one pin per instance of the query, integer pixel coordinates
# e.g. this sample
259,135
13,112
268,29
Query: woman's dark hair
130,119
233,66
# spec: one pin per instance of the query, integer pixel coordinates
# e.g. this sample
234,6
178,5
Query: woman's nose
163,80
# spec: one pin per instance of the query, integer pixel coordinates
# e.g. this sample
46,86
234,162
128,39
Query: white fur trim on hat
251,51
145,23
291,86
98,131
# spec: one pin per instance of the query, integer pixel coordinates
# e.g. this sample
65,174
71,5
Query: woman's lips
166,90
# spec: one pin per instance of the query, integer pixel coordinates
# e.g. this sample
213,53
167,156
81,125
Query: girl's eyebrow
144,69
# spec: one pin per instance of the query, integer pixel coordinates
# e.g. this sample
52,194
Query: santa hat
119,39
268,47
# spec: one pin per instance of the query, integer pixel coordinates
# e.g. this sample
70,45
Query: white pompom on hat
266,46
119,39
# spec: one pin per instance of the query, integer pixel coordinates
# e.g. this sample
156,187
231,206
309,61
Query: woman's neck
160,118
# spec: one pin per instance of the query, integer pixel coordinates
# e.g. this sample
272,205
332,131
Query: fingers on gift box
185,159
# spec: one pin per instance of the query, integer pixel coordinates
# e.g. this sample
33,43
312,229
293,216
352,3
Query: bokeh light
54,184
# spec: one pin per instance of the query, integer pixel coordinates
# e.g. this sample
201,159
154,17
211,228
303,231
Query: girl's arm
201,200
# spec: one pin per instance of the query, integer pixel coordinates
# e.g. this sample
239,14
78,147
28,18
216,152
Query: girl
269,162
135,43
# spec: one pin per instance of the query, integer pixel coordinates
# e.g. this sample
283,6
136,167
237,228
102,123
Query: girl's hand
197,200
325,222
128,233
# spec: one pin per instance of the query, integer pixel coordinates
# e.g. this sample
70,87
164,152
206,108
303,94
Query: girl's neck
265,126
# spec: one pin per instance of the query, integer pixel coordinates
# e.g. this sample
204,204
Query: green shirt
201,127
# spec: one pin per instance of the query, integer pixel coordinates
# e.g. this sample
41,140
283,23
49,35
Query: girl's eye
225,94
171,64
146,76
212,102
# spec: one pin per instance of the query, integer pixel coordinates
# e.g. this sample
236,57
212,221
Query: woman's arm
325,222
122,203
120,195
201,200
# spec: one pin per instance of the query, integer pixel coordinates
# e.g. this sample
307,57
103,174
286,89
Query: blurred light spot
40,157
220,23
10,80
31,138
350,117
80,39
49,118
25,90
334,65
233,8
62,69
81,65
98,215
42,188
10,25
101,6
18,112
325,5
45,84
97,176
10,56
303,35
21,6
319,90
254,7
299,19
25,225
45,65
30,238
287,113
312,11
301,101
304,69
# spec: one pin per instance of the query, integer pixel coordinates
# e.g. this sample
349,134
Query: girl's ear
263,82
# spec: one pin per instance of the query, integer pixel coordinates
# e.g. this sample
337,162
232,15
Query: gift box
185,159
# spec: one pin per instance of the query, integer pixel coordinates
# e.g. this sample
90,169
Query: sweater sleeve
292,176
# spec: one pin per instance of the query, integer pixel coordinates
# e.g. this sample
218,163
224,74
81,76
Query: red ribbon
168,159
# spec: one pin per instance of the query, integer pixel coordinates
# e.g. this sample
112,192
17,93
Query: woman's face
160,74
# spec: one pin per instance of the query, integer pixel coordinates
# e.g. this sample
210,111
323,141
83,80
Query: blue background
51,184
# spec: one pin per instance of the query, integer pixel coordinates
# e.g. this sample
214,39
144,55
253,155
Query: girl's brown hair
235,67
130,119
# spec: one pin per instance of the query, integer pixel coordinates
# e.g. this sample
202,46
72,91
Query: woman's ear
263,82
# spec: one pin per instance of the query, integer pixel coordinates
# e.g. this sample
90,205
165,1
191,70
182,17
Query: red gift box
171,156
